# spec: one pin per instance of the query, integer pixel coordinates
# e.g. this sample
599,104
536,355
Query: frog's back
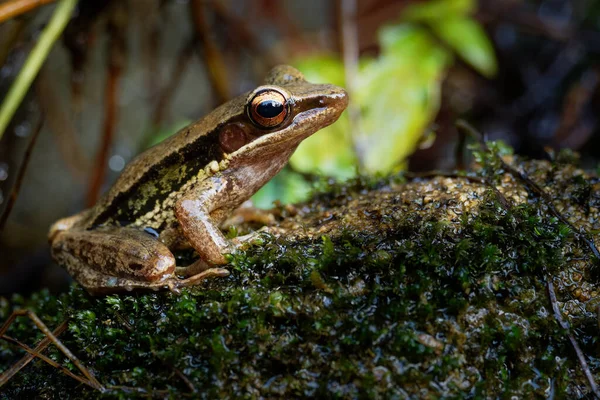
146,191
148,180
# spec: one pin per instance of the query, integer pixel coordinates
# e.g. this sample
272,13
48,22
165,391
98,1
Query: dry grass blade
9,373
215,62
91,379
42,357
116,65
14,193
11,9
36,58
565,325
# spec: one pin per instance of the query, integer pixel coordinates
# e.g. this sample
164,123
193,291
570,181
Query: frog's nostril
337,97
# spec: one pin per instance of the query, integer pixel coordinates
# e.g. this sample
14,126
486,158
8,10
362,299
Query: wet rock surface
427,287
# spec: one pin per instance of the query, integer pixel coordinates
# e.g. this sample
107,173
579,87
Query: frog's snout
338,98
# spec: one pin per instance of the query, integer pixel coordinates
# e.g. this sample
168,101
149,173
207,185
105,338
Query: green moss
422,308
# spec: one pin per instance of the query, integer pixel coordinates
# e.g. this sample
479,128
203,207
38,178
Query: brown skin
184,187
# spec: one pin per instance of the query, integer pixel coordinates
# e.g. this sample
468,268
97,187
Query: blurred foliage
450,21
397,94
287,187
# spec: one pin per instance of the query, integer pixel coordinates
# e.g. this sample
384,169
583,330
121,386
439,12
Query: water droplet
3,171
22,130
116,163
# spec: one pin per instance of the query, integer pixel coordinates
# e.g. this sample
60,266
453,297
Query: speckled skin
184,187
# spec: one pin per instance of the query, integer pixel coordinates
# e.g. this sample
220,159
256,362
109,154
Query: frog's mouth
318,112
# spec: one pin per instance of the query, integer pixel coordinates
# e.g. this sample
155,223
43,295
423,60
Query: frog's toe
254,238
196,279
174,287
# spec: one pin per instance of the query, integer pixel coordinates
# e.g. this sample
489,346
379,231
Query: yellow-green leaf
470,41
398,94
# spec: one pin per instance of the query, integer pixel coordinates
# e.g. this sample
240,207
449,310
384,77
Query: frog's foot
175,284
257,237
193,269
97,283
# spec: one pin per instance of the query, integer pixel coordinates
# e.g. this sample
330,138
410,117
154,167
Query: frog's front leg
200,212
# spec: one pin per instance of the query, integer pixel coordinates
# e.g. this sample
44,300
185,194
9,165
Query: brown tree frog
179,191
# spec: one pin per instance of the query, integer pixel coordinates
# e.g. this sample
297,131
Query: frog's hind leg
108,258
64,224
97,283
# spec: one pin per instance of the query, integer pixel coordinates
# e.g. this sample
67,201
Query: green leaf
470,42
449,19
398,95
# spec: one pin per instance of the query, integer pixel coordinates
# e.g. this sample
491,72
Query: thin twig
277,15
11,9
52,337
59,122
34,62
115,69
42,357
238,29
461,124
14,193
565,325
177,372
166,95
213,57
92,381
19,365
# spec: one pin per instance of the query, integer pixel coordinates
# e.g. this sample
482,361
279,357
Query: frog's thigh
64,224
115,252
199,219
99,283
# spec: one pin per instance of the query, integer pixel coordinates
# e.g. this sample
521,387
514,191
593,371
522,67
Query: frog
175,195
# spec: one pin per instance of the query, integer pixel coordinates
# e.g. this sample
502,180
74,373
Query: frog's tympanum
177,193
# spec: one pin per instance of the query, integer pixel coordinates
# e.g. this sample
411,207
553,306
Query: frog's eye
268,108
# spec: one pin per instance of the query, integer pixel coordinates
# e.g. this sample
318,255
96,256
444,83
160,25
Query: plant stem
34,61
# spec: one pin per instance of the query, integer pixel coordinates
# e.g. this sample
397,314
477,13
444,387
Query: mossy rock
403,288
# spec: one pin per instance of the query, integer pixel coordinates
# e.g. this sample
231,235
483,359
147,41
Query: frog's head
279,115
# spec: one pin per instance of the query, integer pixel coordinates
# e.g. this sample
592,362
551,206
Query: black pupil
269,109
